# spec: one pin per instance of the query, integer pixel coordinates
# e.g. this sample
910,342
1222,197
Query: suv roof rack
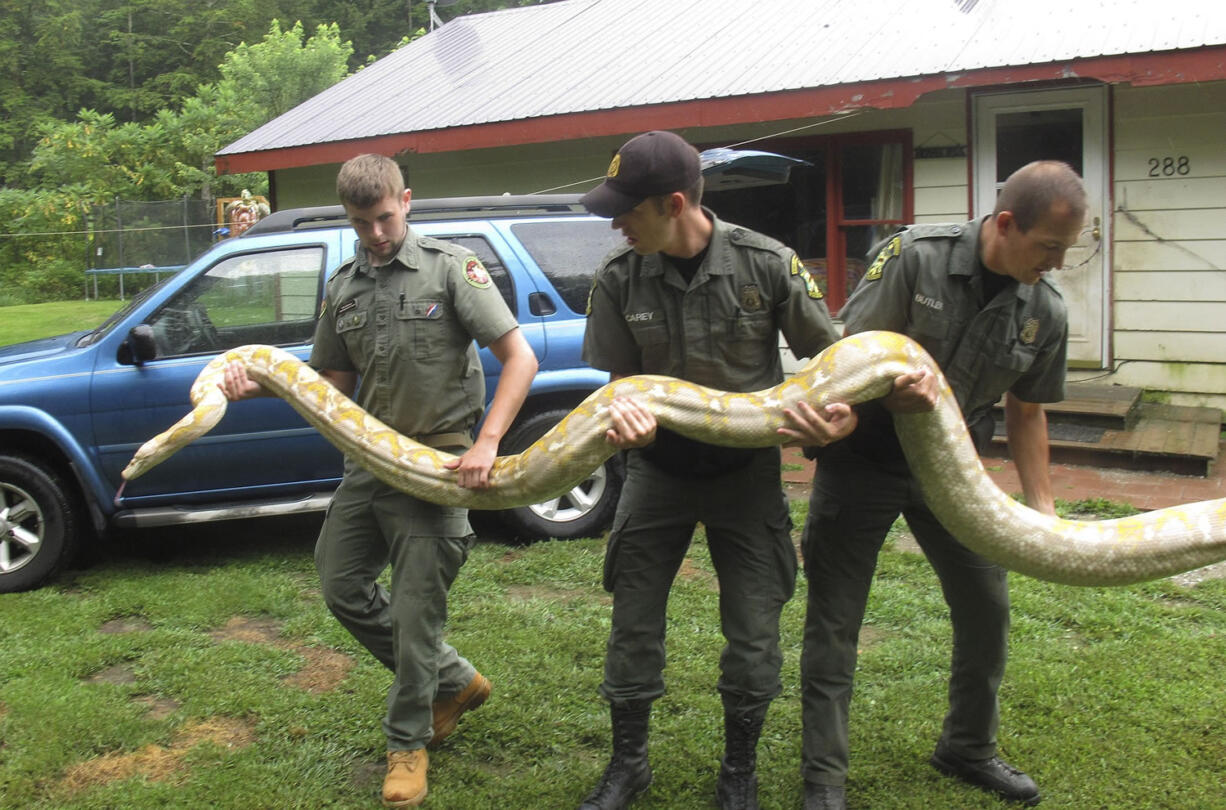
506,205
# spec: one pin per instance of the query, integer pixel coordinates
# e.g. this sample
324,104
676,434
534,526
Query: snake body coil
858,368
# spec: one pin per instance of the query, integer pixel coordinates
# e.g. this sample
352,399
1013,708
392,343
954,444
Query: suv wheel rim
576,503
21,528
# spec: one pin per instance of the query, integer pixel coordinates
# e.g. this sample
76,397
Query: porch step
1109,426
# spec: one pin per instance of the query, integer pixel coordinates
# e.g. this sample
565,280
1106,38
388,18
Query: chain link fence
132,244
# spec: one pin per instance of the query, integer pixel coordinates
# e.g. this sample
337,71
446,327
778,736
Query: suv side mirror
139,346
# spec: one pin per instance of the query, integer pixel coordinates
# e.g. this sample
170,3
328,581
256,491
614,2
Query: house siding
1169,252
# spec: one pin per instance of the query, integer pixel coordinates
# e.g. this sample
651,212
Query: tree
100,158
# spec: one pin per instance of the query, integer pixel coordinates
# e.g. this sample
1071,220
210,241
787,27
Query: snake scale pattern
858,368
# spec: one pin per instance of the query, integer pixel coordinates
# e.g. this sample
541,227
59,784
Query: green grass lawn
31,321
207,673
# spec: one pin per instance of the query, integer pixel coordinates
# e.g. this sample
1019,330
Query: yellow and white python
858,368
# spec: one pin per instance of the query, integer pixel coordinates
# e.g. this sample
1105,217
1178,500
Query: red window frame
837,226
831,148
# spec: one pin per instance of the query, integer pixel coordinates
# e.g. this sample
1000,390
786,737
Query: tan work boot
405,783
447,711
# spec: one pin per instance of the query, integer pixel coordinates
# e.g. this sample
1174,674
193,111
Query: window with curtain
855,191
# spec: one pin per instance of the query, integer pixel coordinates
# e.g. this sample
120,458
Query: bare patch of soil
116,674
323,670
871,636
250,630
155,762
693,573
126,624
528,593
158,708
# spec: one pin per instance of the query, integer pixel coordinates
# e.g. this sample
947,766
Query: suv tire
38,523
585,511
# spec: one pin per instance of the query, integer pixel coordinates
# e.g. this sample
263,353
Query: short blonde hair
366,179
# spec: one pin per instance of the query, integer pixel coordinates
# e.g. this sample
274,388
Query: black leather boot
737,788
628,773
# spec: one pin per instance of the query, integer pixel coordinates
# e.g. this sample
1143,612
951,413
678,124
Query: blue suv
74,408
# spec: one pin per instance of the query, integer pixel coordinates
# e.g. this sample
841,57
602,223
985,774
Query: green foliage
172,155
270,78
96,158
43,254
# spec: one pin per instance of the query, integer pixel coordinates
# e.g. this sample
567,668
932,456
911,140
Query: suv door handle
540,304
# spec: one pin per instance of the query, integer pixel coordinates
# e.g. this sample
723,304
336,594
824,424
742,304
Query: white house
908,111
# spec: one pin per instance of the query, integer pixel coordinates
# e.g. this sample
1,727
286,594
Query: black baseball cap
655,162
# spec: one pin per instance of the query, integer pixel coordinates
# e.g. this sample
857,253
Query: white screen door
1012,129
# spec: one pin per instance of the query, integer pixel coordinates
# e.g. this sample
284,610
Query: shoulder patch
811,287
892,249
475,273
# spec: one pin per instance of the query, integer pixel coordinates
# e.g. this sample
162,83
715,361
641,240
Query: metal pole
119,236
187,242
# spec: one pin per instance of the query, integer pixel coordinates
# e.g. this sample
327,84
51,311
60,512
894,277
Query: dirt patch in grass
368,776
157,708
115,674
871,636
125,624
250,630
528,593
323,670
693,573
158,763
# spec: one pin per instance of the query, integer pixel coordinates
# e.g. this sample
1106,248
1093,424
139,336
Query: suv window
568,252
270,297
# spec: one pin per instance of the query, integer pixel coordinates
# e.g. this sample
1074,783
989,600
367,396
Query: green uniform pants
853,504
749,535
369,525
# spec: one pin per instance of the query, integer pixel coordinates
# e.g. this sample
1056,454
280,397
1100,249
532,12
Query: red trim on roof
1139,70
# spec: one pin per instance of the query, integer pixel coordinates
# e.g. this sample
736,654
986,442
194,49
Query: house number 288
1169,166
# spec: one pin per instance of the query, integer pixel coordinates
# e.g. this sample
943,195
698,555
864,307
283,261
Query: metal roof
580,57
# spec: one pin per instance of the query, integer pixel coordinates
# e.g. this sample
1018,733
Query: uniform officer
692,297
397,325
975,297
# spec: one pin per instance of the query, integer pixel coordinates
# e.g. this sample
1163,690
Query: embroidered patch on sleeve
888,252
811,286
476,274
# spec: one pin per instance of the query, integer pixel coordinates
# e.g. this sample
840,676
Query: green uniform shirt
926,282
407,329
722,328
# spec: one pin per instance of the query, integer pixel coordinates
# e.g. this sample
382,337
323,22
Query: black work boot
737,788
992,774
628,773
